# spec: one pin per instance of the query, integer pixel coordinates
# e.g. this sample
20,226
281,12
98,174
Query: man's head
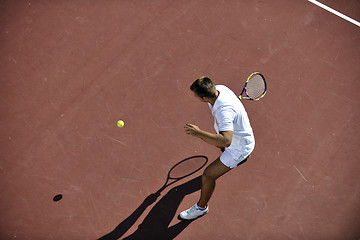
204,89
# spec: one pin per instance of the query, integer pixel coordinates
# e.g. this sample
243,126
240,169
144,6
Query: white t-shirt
230,115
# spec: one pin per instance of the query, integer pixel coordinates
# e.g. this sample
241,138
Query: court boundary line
339,14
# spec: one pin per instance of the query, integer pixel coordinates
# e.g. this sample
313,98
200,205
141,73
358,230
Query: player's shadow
156,223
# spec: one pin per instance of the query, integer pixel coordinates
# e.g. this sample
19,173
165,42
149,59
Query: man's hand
192,129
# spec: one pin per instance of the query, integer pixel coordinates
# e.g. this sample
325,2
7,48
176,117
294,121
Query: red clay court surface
71,69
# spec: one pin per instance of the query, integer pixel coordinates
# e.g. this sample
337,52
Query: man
234,136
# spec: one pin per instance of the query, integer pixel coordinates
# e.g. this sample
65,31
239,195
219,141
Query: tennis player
234,136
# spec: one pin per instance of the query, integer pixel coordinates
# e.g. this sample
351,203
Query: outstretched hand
192,129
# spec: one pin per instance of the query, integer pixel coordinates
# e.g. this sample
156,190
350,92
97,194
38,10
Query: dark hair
204,87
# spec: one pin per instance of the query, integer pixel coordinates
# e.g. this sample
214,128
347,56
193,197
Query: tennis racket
255,87
183,169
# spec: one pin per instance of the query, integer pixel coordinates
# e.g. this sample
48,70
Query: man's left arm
223,139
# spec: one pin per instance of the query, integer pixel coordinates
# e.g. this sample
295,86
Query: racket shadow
156,223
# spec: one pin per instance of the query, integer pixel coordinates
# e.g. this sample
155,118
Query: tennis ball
120,123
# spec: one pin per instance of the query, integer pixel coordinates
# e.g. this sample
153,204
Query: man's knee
215,170
208,174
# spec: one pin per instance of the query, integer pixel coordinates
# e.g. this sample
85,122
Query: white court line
335,12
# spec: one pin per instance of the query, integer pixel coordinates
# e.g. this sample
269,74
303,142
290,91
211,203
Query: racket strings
255,87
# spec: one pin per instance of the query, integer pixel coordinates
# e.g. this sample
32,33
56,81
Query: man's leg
215,170
211,173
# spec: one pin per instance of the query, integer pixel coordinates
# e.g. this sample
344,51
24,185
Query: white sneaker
194,212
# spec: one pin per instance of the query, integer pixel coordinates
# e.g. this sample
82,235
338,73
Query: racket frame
244,89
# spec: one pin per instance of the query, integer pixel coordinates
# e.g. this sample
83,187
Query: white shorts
228,159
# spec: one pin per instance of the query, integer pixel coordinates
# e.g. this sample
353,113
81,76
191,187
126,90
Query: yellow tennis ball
120,123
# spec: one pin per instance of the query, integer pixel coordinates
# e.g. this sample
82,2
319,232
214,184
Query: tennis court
71,69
